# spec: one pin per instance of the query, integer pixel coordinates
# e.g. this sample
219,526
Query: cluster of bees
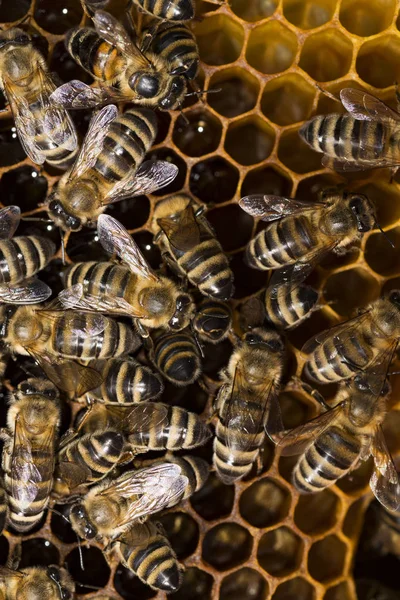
85,349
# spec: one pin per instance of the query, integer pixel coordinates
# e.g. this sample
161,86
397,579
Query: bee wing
344,165
75,94
269,207
341,332
151,176
376,374
384,480
365,107
297,440
31,291
183,233
74,298
94,140
111,30
72,474
114,238
145,417
10,217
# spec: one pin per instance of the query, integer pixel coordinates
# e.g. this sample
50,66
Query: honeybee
175,10
348,348
29,456
149,425
188,243
177,357
108,168
3,507
251,379
152,71
135,291
212,321
335,442
109,509
46,583
366,138
45,131
145,550
21,258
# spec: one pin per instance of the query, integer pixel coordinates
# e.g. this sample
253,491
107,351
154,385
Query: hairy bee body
288,307
3,507
177,357
22,257
31,583
171,10
177,45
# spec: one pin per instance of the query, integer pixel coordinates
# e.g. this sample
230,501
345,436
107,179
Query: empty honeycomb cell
271,48
13,11
280,552
38,551
310,188
130,587
266,180
244,583
96,570
378,61
264,503
65,66
308,14
356,480
350,289
353,519
11,151
316,513
249,140
247,280
85,246
238,93
226,546
235,237
294,589
198,133
287,99
296,154
174,158
326,558
220,39
60,17
182,531
152,253
326,55
254,10
214,500
23,185
380,256
133,213
341,591
196,585
367,19
214,180
295,410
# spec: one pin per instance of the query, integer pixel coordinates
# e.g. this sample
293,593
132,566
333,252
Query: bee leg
172,265
14,558
261,459
326,93
141,329
297,385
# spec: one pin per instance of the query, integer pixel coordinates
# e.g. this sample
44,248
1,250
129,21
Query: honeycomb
259,539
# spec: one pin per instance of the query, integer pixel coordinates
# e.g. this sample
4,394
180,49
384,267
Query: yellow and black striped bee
109,168
46,583
168,10
250,381
45,130
134,290
177,356
365,138
189,245
152,71
299,235
29,455
21,258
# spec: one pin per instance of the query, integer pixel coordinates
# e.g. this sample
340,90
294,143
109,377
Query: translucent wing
363,106
31,291
344,165
341,332
138,535
384,480
75,298
111,30
114,238
79,324
72,474
297,440
270,207
375,376
182,233
150,177
10,217
94,140
75,95
141,418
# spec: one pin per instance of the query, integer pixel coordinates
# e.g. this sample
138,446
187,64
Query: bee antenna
385,235
201,92
37,219
196,339
89,587
62,246
56,512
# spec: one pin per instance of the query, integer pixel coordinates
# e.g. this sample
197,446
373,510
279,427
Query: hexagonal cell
13,11
264,503
350,289
295,409
244,583
308,14
133,212
214,180
198,133
254,10
280,551
316,513
250,140
326,558
182,531
238,93
380,256
220,39
170,156
38,551
356,480
11,151
96,572
247,280
378,61
275,56
353,520
58,19
365,20
231,238
294,589
326,55
266,180
342,591
310,188
296,155
226,546
287,99
24,187
196,585
214,500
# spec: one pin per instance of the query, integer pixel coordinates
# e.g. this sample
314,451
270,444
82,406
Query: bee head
183,312
14,37
264,338
61,217
62,580
363,212
34,386
145,84
81,523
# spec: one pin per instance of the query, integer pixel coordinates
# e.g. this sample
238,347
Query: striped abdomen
3,507
281,243
342,136
328,459
93,53
22,257
182,430
126,381
101,278
195,469
287,308
172,10
177,45
177,357
79,336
